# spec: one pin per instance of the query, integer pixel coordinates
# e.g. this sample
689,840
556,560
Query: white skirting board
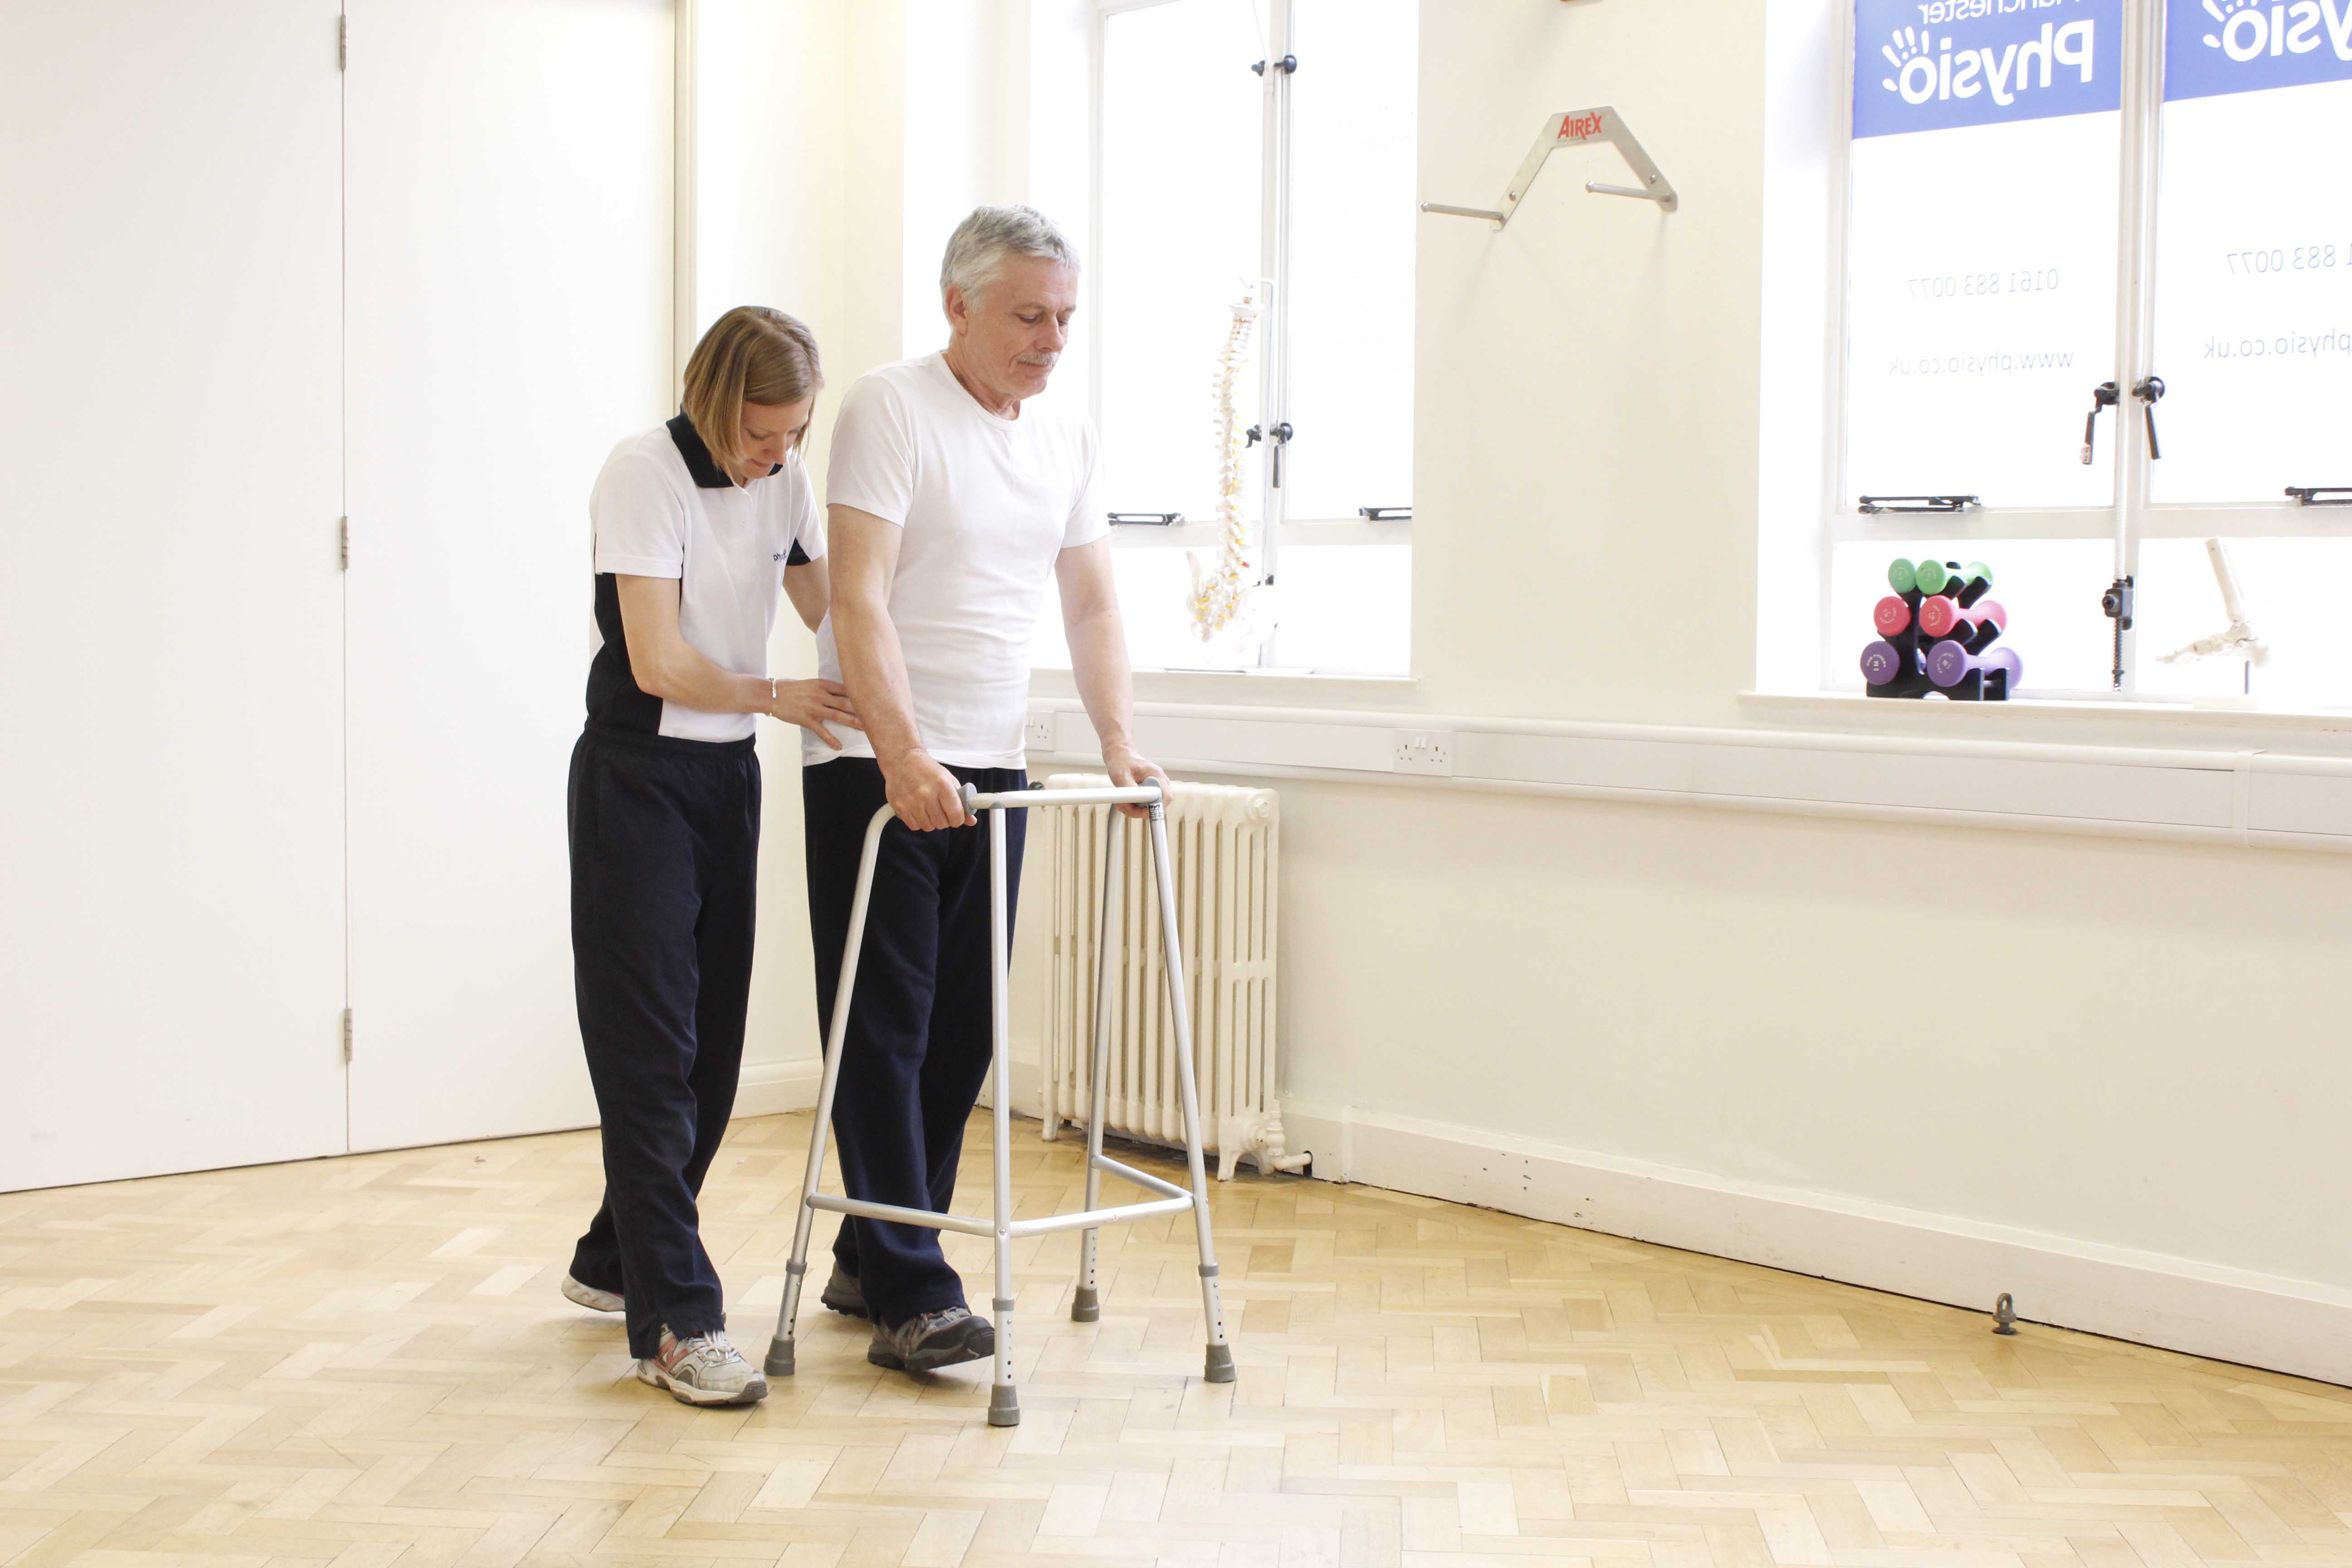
771,1087
2297,1326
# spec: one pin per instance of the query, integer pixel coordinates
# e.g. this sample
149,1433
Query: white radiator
1227,845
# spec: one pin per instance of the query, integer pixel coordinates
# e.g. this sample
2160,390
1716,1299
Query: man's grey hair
976,251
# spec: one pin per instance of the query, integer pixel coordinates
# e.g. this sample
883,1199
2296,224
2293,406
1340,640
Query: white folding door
171,768
510,175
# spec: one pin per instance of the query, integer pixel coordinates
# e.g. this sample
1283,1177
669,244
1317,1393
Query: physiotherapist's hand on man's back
813,705
926,796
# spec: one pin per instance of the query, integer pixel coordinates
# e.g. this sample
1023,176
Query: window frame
1275,530
2131,515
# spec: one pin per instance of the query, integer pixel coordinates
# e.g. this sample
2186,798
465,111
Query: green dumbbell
1976,581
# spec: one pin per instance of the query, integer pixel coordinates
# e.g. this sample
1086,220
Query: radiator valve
1256,1136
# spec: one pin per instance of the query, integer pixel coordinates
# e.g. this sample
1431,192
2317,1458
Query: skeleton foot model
2240,640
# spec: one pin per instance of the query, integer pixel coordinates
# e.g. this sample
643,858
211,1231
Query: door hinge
343,542
347,1033
342,43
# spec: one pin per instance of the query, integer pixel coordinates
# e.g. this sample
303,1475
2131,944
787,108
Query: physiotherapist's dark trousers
665,861
918,1043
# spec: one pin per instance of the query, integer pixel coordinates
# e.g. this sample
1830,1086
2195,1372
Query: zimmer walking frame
1004,1402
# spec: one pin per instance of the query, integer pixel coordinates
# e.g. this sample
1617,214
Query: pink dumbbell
1941,616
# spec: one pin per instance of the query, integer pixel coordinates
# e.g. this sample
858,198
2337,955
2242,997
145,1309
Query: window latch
1275,443
1916,503
2103,397
2150,391
2321,495
1287,65
1385,513
1146,519
2115,603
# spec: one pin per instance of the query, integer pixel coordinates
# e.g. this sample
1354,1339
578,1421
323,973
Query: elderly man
952,499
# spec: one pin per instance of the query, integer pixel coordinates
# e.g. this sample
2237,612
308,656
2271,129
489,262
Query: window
1292,189
2125,213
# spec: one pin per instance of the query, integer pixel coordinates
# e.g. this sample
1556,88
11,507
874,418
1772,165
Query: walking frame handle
1148,793
974,802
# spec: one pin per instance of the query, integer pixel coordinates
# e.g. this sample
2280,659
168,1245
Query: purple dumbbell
1949,663
1883,663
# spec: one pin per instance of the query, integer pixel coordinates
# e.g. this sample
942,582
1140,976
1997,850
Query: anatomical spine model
1222,595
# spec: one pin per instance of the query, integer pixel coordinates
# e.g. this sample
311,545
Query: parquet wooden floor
365,1363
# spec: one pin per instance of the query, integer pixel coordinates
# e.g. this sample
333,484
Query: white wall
2117,1090
2115,1093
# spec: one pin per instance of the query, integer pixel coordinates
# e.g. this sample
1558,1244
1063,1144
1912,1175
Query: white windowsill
2110,723
1288,687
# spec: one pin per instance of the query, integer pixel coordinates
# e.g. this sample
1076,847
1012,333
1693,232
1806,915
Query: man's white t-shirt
662,508
987,506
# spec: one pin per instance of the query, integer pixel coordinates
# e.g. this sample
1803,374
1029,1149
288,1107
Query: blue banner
2213,47
1928,65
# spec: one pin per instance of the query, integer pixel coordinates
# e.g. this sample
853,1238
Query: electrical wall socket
1040,732
1422,751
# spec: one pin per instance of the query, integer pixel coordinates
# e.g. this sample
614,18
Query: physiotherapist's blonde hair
750,354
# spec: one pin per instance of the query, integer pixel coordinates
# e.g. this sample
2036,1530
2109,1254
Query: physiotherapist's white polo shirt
987,506
662,508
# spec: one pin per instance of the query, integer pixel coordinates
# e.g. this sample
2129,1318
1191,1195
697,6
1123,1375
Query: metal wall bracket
1577,127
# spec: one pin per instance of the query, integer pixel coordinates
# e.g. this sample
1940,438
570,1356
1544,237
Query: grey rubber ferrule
1002,1304
1208,1270
780,1359
1005,1406
796,1267
1220,1367
1086,1307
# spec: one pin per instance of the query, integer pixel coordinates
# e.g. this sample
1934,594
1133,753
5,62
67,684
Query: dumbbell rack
1899,663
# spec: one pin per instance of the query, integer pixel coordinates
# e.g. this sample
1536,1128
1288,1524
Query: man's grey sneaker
843,1294
589,1296
929,1340
702,1370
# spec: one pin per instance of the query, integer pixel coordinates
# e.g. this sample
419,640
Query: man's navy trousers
918,1043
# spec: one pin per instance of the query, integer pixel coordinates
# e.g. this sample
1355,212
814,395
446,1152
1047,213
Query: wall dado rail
2247,798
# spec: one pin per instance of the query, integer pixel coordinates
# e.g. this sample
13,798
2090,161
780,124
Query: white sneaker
589,1296
703,1370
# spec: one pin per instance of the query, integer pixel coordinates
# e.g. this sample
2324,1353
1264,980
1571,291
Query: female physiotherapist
697,523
